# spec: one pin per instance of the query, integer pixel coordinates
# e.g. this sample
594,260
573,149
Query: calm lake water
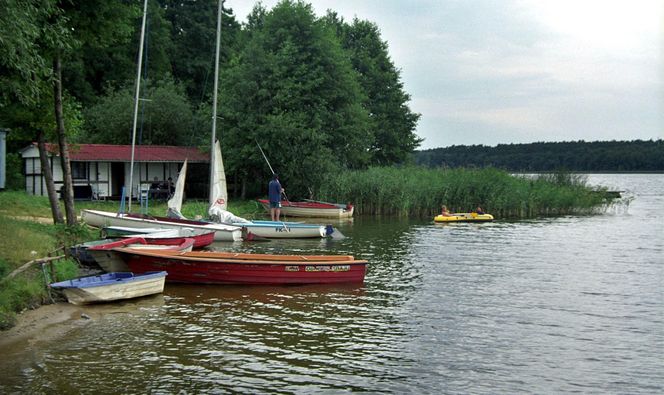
570,304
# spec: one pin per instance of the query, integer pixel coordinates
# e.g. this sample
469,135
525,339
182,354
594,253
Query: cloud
523,70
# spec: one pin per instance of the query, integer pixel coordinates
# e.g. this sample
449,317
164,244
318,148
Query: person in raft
444,212
275,190
479,210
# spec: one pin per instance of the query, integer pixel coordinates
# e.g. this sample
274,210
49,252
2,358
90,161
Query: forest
319,94
610,156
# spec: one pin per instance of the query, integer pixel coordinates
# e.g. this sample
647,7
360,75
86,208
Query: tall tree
23,67
193,30
166,116
85,21
293,90
27,30
392,122
106,38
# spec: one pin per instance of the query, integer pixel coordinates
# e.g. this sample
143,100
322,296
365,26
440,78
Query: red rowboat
202,238
110,261
212,267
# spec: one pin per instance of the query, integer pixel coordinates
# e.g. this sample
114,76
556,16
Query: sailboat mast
138,88
214,103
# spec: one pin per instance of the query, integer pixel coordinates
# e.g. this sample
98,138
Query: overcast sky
519,71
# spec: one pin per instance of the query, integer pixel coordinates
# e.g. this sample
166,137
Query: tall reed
419,191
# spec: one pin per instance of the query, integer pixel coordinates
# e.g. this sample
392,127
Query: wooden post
27,265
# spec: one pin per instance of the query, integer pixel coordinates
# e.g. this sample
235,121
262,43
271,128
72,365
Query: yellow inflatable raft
464,217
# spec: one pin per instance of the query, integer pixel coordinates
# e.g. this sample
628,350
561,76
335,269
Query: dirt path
41,220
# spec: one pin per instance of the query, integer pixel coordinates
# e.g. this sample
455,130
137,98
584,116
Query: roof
122,153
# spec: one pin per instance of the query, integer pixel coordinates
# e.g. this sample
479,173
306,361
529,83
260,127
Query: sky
520,71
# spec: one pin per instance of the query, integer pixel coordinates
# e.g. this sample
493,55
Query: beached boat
464,217
122,231
111,286
211,267
101,219
313,209
202,237
109,260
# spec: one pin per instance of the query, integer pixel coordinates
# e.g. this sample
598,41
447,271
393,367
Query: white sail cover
218,192
175,202
222,216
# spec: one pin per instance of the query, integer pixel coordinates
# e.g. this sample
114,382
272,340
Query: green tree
80,22
105,46
392,122
193,32
23,66
293,90
166,117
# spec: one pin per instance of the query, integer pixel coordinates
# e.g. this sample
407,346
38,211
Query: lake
566,304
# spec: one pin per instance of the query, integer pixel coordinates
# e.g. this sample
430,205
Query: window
79,170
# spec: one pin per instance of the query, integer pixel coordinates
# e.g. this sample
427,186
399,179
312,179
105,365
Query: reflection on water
568,304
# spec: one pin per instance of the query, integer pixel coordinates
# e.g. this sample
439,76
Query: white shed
101,170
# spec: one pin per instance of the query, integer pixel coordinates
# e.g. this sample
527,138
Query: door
117,178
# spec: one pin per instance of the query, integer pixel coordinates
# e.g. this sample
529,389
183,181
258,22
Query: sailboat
218,212
268,229
101,219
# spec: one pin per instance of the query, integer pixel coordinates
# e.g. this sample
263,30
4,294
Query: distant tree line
637,155
320,94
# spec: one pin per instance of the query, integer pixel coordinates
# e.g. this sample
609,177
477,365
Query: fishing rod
267,161
270,166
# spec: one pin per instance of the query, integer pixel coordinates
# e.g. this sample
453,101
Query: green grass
20,204
24,241
418,191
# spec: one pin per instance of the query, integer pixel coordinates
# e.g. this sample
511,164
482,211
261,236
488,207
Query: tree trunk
48,175
68,193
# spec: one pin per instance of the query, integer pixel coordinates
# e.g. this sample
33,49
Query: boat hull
101,219
311,209
248,269
464,217
202,238
111,287
111,261
286,230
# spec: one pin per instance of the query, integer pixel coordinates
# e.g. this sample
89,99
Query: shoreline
43,324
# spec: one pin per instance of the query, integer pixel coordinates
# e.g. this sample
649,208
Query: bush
418,191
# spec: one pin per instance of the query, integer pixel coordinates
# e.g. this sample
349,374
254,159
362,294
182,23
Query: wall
99,174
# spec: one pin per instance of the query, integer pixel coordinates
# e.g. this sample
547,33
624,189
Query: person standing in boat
275,190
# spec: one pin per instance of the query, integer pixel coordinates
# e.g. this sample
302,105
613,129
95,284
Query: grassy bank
418,191
27,233
24,241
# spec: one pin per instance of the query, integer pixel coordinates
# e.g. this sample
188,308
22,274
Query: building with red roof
103,169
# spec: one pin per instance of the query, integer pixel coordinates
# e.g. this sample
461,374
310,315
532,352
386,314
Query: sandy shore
45,323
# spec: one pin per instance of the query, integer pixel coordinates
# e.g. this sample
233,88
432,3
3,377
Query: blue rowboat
111,286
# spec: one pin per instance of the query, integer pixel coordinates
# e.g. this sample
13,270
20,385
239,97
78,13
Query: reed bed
419,191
